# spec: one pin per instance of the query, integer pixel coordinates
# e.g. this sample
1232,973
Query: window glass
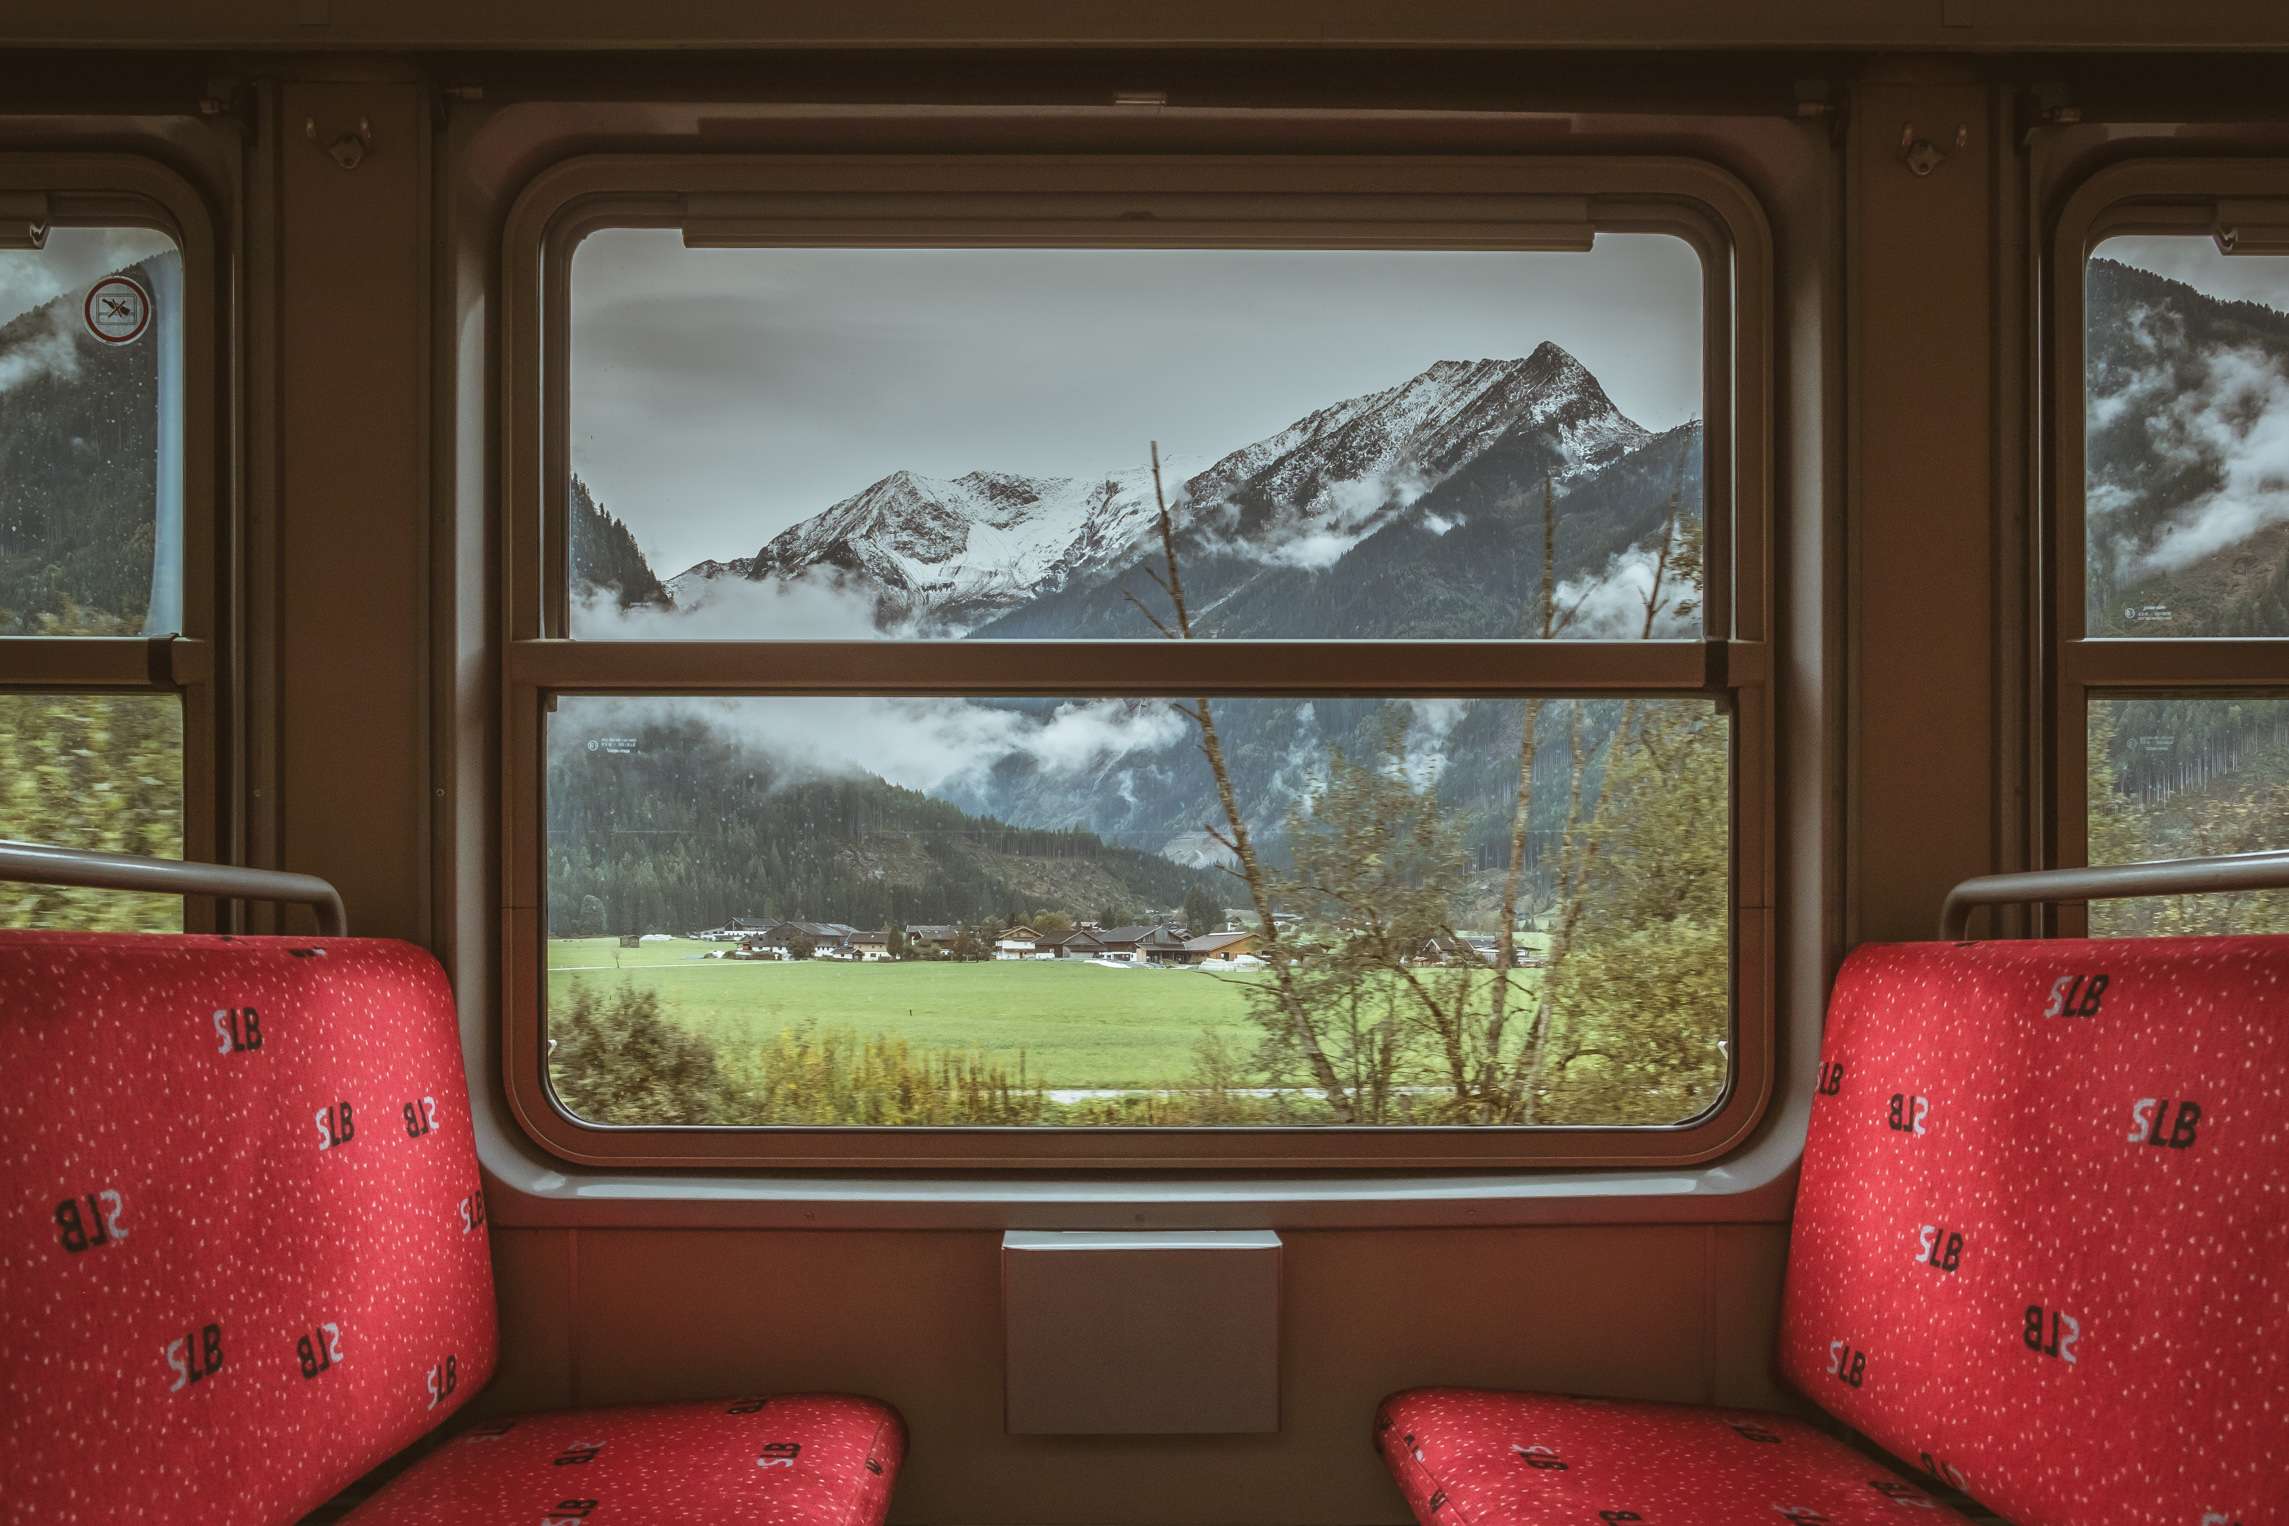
855,443
2184,777
100,771
958,911
2187,440
91,434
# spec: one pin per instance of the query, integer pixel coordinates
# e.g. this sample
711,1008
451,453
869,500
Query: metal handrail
31,863
2108,882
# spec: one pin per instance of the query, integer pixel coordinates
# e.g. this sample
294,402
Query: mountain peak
950,552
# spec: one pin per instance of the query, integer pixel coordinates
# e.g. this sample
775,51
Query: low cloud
2235,420
2221,416
734,608
1609,605
1323,529
52,349
1424,753
933,745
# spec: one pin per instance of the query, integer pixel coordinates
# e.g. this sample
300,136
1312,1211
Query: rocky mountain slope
952,556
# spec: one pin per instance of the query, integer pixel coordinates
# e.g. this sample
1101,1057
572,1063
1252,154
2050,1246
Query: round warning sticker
118,309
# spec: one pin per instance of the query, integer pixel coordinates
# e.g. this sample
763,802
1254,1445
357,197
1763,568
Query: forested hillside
2189,521
605,557
674,827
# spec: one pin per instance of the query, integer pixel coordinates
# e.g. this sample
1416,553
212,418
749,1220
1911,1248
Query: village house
1157,943
1081,943
734,930
1020,942
1470,948
930,940
1220,946
827,940
1161,943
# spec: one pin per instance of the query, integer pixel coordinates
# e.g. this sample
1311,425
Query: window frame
2137,196
1190,201
127,190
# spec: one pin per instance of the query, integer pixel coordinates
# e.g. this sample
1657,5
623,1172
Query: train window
1136,663
91,499
2182,489
103,665
883,443
1024,911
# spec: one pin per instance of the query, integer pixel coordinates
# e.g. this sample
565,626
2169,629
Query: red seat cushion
1469,1455
796,1460
2042,1236
244,1256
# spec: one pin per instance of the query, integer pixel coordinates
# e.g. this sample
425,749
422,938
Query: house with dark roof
1080,943
735,929
930,940
1220,946
1156,943
828,940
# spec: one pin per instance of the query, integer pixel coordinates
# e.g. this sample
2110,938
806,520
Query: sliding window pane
2186,464
2183,777
952,911
91,435
100,771
859,443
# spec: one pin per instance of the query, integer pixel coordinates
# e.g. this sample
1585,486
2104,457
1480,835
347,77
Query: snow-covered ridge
946,554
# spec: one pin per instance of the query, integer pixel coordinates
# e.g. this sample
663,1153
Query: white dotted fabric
2042,1239
1469,1457
789,1460
244,1257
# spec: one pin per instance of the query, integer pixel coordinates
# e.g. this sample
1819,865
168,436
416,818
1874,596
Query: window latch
23,220
2257,226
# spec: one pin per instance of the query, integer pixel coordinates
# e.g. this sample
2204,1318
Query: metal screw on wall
347,150
1921,155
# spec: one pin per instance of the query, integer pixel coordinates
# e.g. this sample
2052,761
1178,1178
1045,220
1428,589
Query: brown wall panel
1921,514
352,712
1621,23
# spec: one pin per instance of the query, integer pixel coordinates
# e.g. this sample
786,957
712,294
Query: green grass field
1077,1025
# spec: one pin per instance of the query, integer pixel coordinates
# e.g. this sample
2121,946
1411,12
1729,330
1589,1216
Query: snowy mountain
1308,494
1410,512
946,556
941,554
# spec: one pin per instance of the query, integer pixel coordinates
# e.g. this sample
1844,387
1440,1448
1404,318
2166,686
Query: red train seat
248,1261
2040,1246
1470,1456
788,1460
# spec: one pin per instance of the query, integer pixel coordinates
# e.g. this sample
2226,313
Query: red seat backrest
245,1256
2042,1239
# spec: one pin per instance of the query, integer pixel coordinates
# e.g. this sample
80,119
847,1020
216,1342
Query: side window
93,340
91,515
2183,485
1147,664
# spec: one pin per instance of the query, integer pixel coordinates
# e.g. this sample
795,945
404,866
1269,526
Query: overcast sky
719,396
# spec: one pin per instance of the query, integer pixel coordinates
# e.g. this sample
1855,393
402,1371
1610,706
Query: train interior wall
365,753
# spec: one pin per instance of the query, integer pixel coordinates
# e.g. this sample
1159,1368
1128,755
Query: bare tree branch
1291,1002
1157,623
